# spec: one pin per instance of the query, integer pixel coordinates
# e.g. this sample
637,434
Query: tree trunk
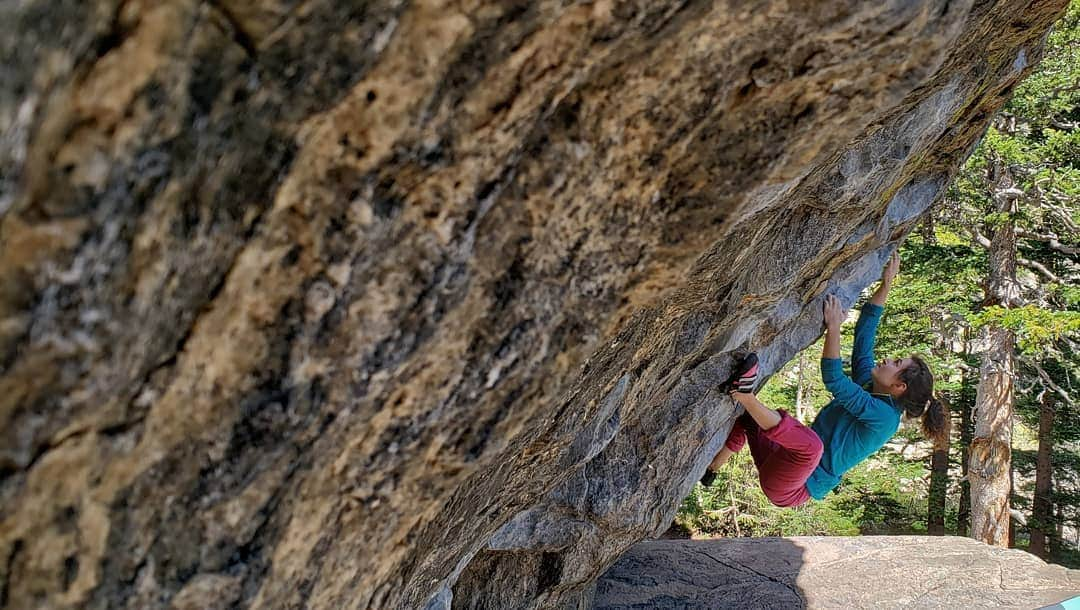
1011,540
967,432
926,229
963,513
800,386
1057,538
991,457
939,483
1042,507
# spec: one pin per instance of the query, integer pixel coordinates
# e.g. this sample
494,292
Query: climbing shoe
744,377
708,479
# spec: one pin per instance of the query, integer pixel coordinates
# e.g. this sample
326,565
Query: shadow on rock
690,574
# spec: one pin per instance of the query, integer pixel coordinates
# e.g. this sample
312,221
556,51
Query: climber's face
886,376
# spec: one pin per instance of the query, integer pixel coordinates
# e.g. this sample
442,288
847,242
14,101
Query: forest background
989,290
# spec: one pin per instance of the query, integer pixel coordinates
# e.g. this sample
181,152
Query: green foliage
735,506
1032,149
940,302
1035,327
1062,148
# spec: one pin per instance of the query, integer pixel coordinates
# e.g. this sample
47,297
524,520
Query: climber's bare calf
765,417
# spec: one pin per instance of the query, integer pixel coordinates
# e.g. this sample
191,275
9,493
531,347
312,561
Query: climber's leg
736,438
765,417
790,452
735,441
743,378
744,430
785,451
721,458
761,447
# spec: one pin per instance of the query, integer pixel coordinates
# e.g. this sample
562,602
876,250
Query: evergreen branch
1057,91
1063,214
1037,266
1023,262
1049,383
1051,240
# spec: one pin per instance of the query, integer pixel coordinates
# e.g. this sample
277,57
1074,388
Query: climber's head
889,376
911,384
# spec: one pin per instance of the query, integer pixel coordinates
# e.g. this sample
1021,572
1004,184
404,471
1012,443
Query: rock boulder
338,304
819,572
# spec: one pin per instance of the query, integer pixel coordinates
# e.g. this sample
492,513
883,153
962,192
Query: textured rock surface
344,304
818,572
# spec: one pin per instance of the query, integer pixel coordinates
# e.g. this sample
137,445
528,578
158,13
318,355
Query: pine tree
1017,199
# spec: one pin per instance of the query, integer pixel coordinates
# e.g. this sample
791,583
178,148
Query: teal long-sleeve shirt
855,423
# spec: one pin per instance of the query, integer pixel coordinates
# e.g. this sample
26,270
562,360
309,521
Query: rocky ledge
819,572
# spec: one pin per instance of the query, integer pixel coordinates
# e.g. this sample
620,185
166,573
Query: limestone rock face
817,572
381,304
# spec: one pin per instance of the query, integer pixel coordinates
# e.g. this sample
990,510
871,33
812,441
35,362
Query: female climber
796,463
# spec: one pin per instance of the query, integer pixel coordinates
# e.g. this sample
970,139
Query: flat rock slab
832,572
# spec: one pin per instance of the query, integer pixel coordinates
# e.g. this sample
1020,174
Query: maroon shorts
785,456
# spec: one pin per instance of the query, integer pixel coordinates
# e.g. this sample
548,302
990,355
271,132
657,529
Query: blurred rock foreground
400,304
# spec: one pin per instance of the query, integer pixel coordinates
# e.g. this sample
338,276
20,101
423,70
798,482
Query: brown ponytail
918,399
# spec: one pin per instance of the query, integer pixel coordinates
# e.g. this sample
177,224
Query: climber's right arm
834,316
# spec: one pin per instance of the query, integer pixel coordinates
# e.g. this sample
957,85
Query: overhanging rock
376,304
